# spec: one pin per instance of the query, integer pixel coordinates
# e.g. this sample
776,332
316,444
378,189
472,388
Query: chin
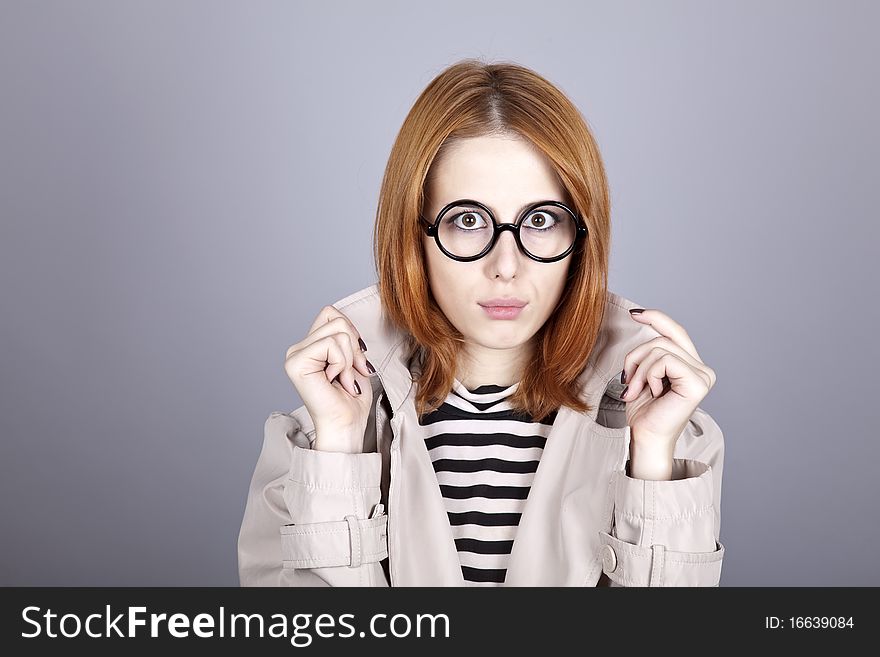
503,339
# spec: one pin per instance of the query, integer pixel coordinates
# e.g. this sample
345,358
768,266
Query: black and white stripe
485,456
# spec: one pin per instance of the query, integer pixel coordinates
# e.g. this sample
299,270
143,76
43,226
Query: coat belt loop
354,530
658,560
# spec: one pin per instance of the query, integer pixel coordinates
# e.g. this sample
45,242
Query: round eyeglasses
466,230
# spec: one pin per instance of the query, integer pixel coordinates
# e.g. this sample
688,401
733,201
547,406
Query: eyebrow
518,212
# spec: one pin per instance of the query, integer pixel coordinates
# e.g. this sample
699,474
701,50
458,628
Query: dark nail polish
622,376
636,311
370,367
362,344
357,387
623,392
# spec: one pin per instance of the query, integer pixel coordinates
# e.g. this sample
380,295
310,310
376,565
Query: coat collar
388,347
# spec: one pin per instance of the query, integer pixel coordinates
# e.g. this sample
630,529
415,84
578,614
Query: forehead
503,172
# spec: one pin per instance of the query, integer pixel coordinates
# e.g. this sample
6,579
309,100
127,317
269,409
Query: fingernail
636,311
362,344
623,393
370,367
357,387
623,376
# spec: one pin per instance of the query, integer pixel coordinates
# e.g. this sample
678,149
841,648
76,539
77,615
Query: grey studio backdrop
183,185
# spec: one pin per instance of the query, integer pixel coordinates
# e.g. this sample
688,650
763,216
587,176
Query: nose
506,236
503,259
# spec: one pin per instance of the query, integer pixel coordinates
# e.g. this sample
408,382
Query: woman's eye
469,220
541,220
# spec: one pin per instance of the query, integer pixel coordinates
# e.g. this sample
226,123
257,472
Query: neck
484,366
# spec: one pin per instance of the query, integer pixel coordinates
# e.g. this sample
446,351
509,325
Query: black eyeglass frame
432,230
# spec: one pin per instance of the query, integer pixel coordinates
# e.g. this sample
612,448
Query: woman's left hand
666,380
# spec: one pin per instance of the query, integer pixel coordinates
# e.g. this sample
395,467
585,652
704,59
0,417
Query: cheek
441,276
553,282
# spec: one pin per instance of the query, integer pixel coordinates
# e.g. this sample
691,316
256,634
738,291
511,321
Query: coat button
609,559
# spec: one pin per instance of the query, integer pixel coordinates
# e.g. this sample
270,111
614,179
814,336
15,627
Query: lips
502,312
503,302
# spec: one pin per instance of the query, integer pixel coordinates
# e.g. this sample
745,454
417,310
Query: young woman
489,413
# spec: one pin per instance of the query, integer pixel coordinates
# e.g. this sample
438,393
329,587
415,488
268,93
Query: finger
638,354
637,383
346,375
666,326
656,376
324,359
661,366
341,325
326,314
334,356
329,314
683,379
346,329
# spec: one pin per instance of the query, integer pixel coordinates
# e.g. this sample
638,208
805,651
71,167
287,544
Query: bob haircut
469,99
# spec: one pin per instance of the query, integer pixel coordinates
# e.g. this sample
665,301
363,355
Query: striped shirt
485,456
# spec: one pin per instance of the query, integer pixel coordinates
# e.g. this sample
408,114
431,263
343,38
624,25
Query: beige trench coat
316,518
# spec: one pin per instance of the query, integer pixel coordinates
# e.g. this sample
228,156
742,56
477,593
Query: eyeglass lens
546,232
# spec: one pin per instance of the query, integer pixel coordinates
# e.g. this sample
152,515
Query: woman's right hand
327,367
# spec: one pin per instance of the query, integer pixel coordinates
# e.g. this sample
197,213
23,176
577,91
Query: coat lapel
556,543
421,525
419,534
